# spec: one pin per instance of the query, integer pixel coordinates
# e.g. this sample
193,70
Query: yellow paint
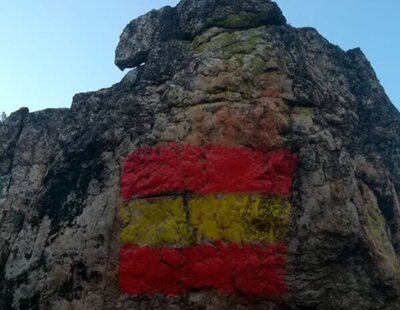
228,218
239,218
155,222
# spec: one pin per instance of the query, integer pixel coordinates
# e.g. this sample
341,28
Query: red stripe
175,168
250,270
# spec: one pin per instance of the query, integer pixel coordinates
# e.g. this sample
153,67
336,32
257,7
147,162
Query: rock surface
231,73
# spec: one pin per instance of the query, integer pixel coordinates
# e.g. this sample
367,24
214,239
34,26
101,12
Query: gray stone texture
60,168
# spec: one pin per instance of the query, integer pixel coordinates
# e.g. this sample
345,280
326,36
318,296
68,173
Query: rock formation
210,82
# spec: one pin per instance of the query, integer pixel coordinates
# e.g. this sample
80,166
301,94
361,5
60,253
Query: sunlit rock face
240,164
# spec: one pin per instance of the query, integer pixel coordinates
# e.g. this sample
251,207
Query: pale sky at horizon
53,49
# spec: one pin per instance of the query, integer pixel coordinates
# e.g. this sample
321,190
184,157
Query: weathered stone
218,72
195,16
187,20
143,34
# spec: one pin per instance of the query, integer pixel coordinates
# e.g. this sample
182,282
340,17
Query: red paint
251,270
175,168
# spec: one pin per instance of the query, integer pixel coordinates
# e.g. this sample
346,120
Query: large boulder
242,164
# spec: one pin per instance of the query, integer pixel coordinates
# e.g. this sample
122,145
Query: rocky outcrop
187,20
220,73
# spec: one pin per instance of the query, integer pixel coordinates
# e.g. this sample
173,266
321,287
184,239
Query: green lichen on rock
219,42
178,97
229,43
375,229
241,62
252,64
241,20
374,226
254,36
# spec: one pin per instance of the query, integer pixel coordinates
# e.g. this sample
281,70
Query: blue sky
51,50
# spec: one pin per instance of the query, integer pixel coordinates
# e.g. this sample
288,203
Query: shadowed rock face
228,73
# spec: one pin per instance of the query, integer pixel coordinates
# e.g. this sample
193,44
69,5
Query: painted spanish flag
205,217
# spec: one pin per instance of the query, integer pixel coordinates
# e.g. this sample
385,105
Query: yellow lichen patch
159,221
239,218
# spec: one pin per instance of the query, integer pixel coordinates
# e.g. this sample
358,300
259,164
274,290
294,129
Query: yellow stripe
239,218
228,218
155,222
